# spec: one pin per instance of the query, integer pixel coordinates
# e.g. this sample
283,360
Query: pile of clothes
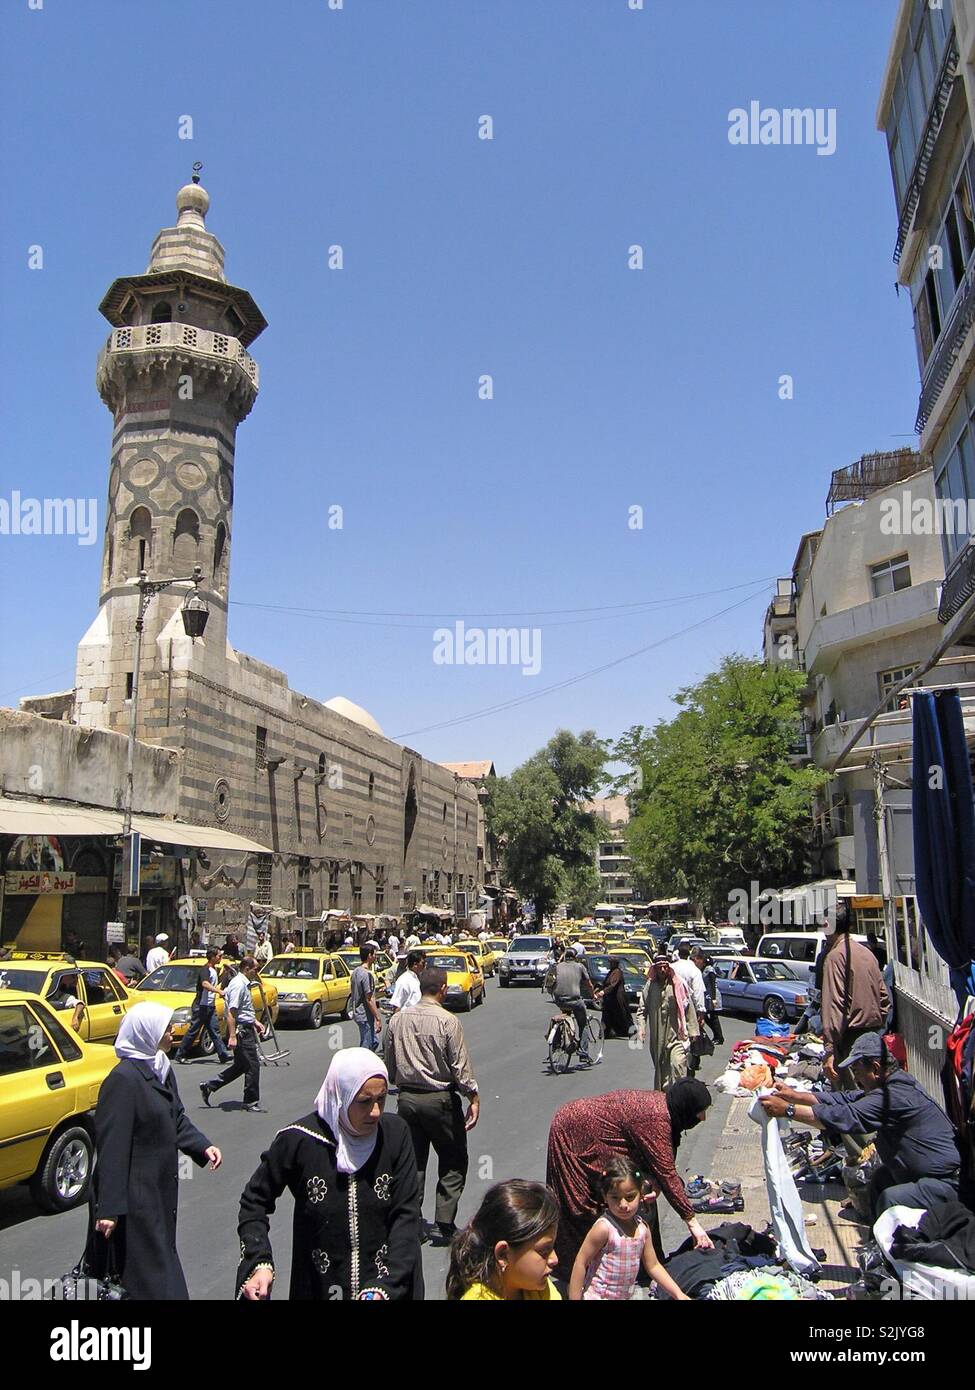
756,1062
742,1267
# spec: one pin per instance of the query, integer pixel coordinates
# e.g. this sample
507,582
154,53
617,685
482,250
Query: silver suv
527,958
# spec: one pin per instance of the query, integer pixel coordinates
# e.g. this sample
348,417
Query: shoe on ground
256,1109
446,1231
205,1092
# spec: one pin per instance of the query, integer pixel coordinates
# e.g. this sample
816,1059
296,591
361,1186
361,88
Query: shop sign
36,881
115,932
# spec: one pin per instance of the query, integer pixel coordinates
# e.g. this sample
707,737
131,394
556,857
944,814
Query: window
372,785
219,544
186,538
162,313
263,878
333,885
349,831
260,750
892,575
887,680
129,681
444,816
23,1043
356,888
380,888
140,537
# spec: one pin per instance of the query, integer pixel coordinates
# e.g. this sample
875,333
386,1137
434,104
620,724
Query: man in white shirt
406,991
158,955
692,977
411,941
392,945
264,951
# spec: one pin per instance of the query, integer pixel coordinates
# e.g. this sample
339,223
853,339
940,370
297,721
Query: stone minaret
178,380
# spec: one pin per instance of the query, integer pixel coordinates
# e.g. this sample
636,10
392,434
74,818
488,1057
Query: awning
172,832
21,817
45,818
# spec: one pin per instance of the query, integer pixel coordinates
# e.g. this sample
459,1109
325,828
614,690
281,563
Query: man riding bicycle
572,987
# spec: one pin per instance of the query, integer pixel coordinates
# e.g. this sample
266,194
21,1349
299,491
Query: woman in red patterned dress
646,1127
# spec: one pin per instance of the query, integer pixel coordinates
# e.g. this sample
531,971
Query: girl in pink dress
609,1260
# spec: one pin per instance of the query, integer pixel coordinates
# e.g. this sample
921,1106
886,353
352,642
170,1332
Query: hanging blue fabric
944,830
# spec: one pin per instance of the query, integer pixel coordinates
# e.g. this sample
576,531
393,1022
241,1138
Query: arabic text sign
21,881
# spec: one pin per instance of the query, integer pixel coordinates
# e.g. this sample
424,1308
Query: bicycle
563,1041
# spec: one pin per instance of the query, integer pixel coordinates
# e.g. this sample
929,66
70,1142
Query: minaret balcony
201,341
153,344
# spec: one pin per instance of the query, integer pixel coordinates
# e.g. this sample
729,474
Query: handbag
701,1046
82,1284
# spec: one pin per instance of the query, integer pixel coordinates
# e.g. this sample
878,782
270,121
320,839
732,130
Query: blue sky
613,388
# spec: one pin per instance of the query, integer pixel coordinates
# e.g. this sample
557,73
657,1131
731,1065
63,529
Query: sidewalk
738,1156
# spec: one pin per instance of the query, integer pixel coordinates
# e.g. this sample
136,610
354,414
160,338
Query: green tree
547,839
717,802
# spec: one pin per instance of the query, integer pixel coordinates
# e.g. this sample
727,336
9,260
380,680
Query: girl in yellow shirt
508,1249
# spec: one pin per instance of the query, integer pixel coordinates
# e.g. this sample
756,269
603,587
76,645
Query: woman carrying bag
141,1129
351,1170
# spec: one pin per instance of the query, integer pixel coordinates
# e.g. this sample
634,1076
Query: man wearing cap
916,1143
158,955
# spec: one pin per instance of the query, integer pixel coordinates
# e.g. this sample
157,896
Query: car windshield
531,943
441,962
30,981
498,944
773,970
293,968
181,978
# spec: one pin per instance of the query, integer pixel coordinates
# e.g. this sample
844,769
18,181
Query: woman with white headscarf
352,1173
141,1129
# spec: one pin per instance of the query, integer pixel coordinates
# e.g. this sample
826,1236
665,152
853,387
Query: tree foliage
548,841
716,801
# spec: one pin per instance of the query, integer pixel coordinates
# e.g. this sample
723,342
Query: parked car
800,949
527,958
49,1084
765,987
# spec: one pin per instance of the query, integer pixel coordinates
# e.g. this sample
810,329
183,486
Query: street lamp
195,614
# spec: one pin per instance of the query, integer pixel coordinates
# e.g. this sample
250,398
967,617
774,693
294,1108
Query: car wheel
774,1008
503,982
484,994
344,1015
315,1016
63,1178
205,1044
468,1001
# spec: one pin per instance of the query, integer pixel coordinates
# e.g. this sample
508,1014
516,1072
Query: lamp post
195,614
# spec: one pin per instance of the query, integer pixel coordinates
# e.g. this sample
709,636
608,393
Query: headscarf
350,1070
685,1101
665,974
140,1035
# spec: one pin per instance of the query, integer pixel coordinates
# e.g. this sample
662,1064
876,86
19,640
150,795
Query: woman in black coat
141,1129
352,1173
617,1022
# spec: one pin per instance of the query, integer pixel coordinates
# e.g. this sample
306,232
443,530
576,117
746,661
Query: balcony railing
953,336
929,136
959,583
145,336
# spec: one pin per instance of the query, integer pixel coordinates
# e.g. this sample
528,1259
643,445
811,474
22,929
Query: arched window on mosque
162,313
140,540
186,539
219,546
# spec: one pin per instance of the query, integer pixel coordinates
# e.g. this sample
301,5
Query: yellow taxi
174,984
481,951
350,954
310,984
65,984
465,980
498,944
633,954
49,1084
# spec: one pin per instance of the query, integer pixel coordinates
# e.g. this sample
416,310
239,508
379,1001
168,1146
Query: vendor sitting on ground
918,1150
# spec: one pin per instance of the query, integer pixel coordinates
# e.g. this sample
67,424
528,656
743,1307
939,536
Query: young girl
608,1263
508,1250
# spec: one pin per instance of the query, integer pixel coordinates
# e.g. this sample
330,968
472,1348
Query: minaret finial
196,171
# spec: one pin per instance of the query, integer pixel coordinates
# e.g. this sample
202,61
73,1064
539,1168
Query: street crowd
356,1173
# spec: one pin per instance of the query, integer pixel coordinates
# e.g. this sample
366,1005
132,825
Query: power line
599,613
574,680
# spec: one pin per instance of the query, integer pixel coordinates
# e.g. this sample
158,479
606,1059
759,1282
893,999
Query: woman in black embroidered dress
352,1172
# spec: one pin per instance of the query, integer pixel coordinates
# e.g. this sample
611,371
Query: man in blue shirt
243,1030
919,1153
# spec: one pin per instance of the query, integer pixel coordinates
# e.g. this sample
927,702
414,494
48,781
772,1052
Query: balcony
929,138
950,344
888,616
200,341
887,729
958,587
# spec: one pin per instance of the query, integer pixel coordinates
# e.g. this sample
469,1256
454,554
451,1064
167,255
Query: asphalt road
518,1099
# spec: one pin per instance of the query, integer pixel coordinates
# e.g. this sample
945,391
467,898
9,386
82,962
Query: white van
729,938
799,949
